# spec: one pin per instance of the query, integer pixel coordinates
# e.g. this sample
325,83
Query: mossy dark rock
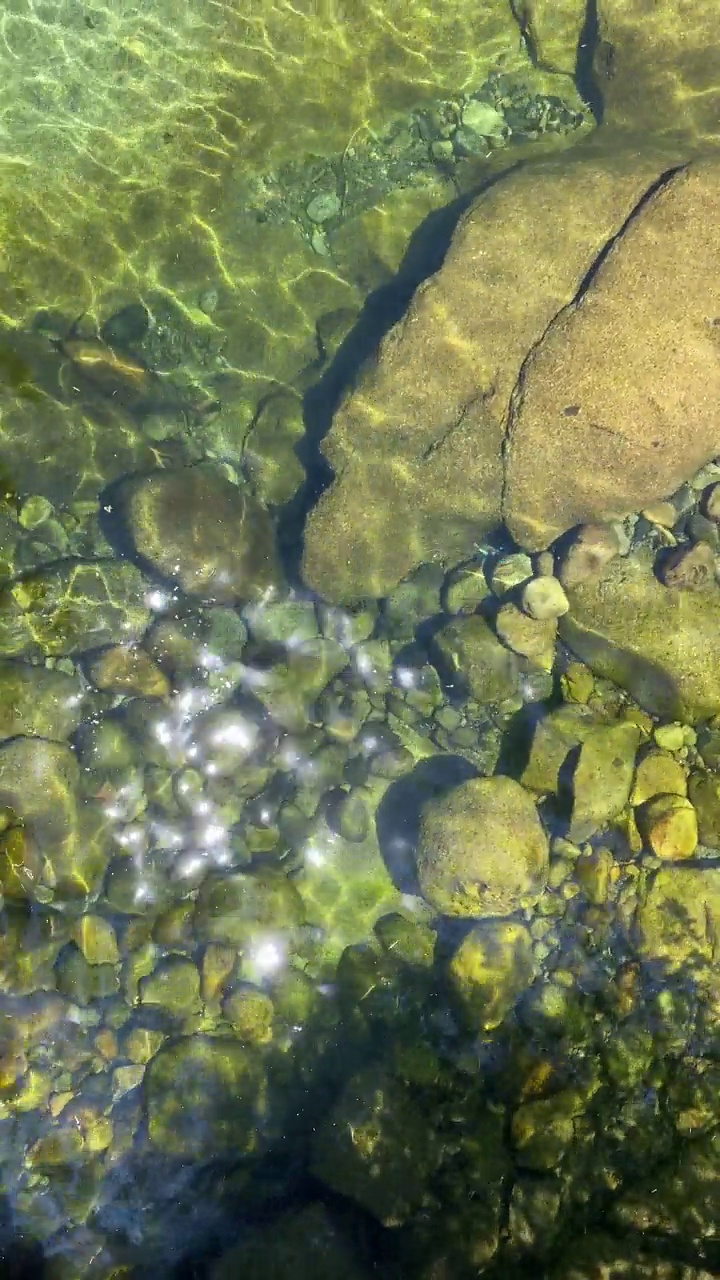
376,1147
203,1099
196,528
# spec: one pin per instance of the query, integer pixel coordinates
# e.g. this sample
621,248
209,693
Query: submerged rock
211,537
602,777
490,970
203,1099
658,644
376,1147
678,921
471,653
38,701
73,606
482,849
53,849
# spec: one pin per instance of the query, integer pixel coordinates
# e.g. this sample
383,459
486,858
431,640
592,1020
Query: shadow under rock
399,812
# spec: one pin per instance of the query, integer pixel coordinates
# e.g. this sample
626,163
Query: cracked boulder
544,376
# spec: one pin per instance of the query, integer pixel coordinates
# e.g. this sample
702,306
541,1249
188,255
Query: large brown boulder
547,375
417,447
618,403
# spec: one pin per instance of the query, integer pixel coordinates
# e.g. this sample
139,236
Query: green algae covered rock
174,986
656,642
37,701
704,791
678,920
73,606
203,1099
472,653
482,849
543,1128
291,687
376,1147
554,737
669,827
238,907
195,527
54,848
490,970
602,777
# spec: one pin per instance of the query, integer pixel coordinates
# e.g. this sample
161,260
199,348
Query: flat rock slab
546,375
618,403
417,447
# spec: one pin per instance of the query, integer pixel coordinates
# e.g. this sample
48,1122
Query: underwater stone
74,606
592,547
490,970
96,939
669,827
413,600
658,773
678,920
602,777
250,1013
58,852
469,651
526,636
510,572
195,527
544,1128
376,1147
323,207
704,791
203,1099
128,670
174,986
291,688
544,598
36,701
657,644
504,870
689,568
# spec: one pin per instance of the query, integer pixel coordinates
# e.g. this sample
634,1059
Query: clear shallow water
228,1012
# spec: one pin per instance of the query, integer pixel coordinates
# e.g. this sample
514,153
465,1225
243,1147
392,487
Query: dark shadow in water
398,814
20,1257
586,77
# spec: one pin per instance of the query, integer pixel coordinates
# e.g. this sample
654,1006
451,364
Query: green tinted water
291,983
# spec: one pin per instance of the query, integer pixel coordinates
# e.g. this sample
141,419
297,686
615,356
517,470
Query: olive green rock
376,1147
704,791
490,970
482,849
71,607
203,1099
173,985
658,773
656,642
471,653
555,735
36,701
669,826
678,919
543,1128
56,851
195,527
602,777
